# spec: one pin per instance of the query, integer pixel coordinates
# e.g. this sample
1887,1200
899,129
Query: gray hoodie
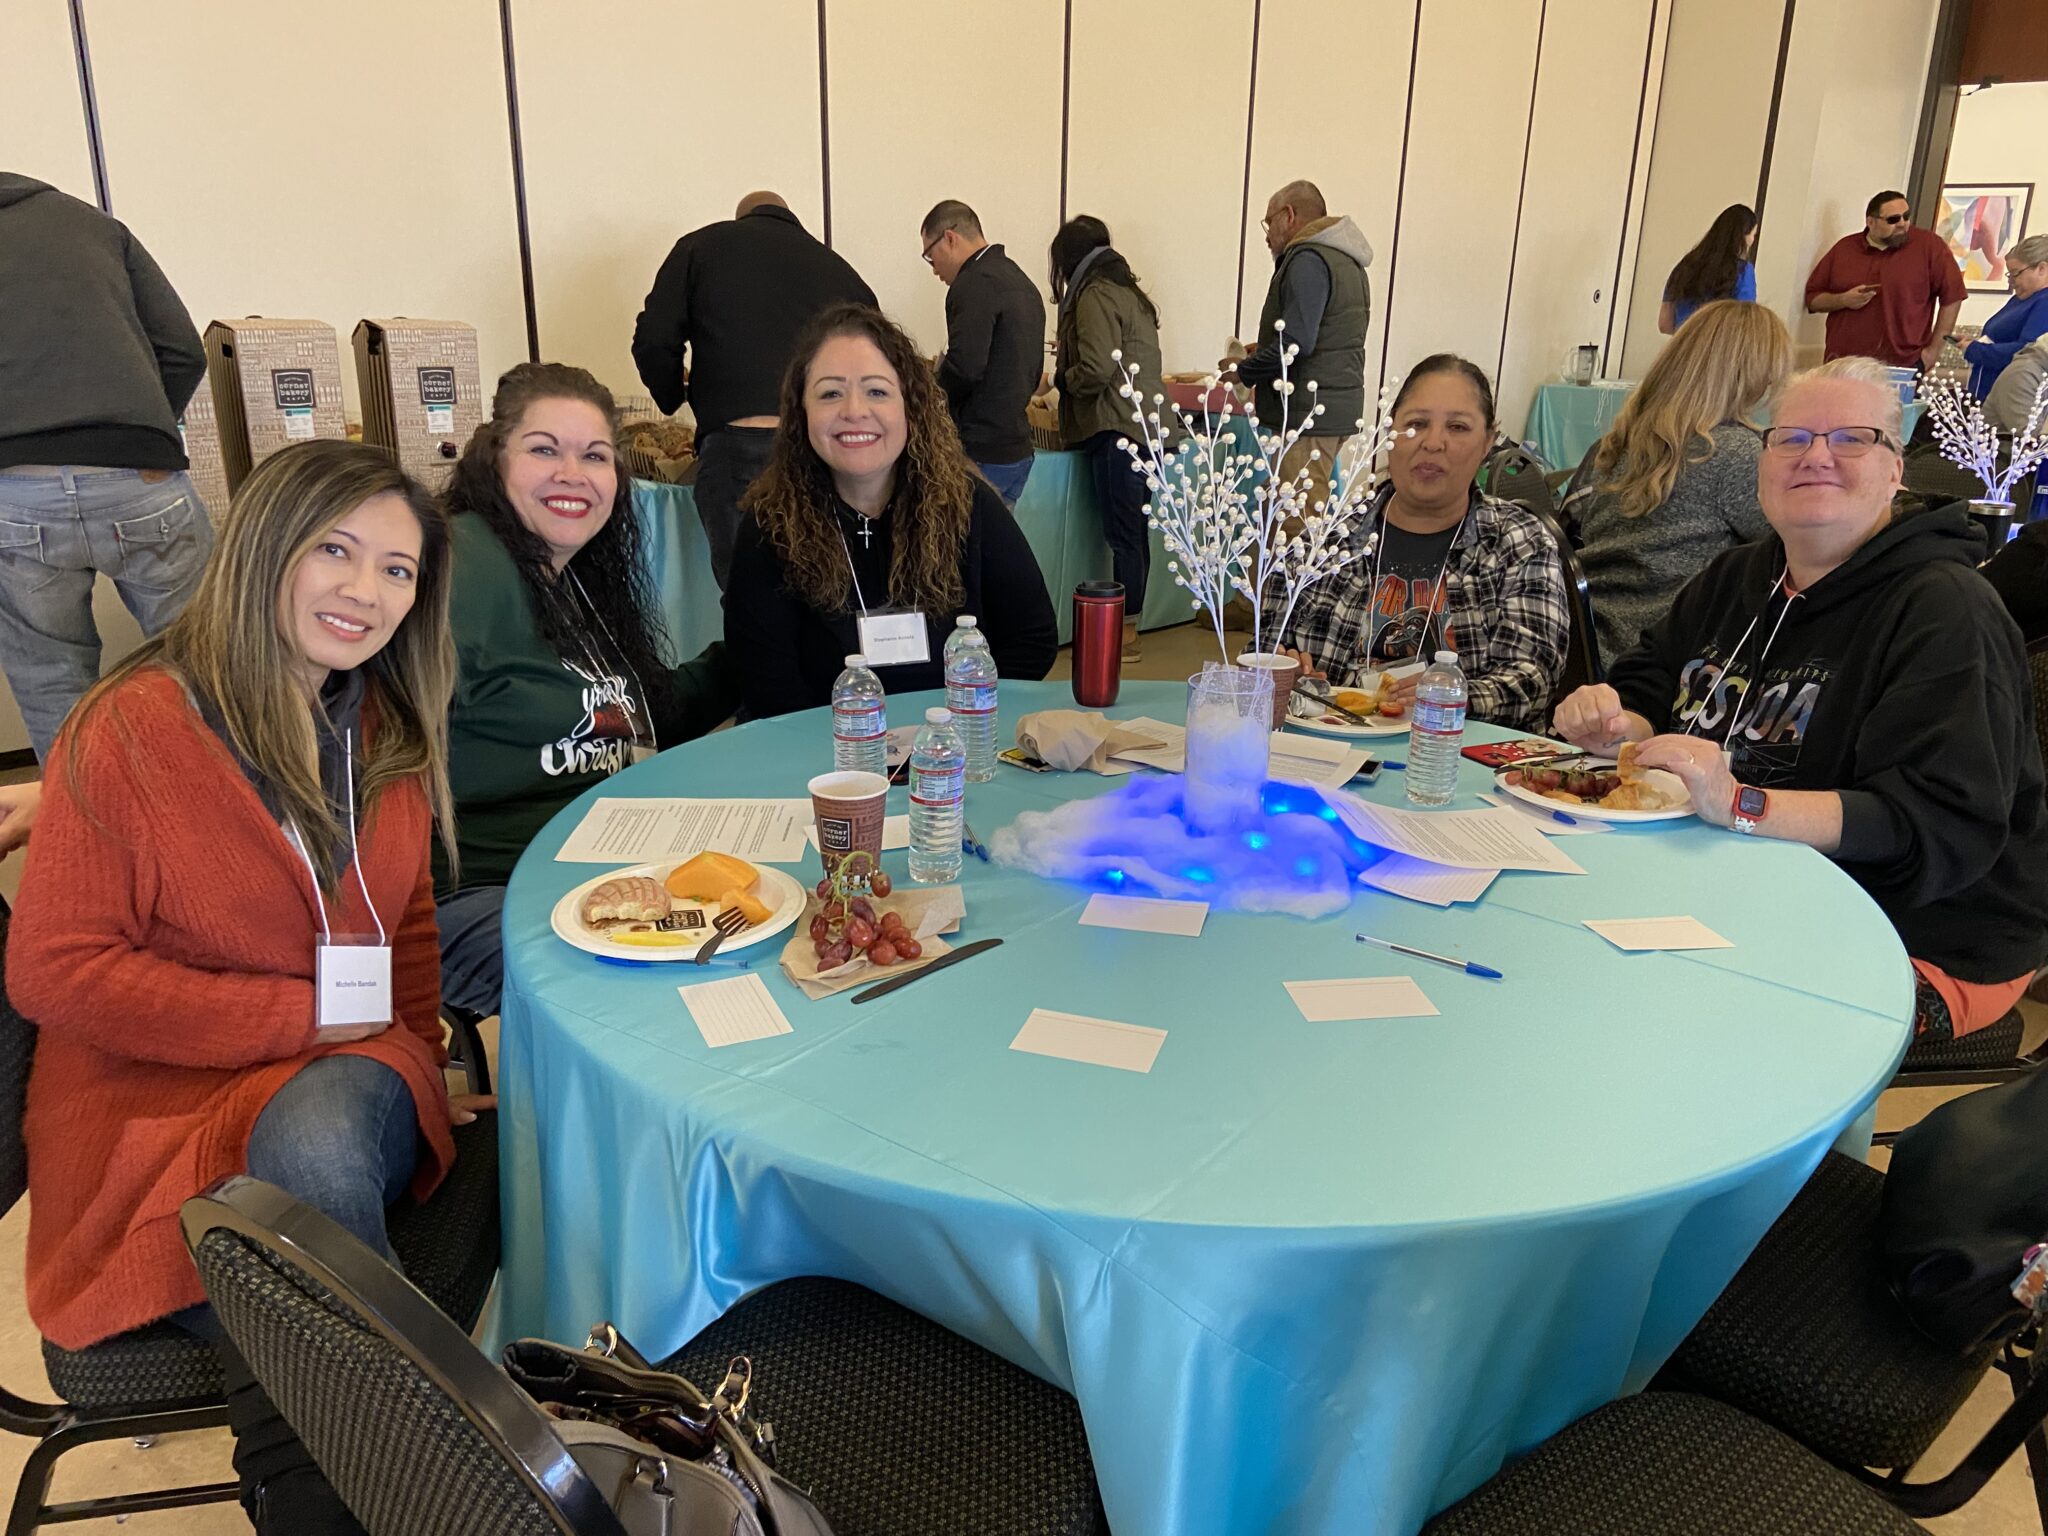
97,354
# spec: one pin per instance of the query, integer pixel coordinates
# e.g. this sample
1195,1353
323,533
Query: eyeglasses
936,241
1895,218
1843,442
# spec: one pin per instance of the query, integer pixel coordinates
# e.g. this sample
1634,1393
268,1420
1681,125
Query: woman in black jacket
870,526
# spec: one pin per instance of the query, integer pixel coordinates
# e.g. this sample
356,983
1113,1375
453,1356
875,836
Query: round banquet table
1301,1277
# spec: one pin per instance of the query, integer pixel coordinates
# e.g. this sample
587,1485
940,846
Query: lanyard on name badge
1437,590
891,638
351,982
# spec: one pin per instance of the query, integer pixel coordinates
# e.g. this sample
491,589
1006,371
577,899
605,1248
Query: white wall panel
325,163
1156,151
1719,61
1475,67
1998,137
1356,159
42,119
1853,81
958,133
1588,89
644,119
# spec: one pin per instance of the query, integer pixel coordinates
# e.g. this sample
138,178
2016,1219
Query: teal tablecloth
1058,513
1566,420
1303,1278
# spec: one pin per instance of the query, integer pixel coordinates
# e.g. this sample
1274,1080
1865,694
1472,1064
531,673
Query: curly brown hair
932,498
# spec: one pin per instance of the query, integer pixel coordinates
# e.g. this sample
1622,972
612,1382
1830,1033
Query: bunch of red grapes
849,922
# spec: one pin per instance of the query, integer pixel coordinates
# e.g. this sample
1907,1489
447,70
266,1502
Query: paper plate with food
665,911
1381,715
1599,788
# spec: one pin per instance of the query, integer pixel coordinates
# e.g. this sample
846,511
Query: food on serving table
626,899
708,876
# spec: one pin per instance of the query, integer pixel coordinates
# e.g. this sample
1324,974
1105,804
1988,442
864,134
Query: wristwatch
1751,806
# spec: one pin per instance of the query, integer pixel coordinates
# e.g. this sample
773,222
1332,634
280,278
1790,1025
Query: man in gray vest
1320,289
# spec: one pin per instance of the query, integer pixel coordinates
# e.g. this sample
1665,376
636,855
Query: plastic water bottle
971,694
936,791
1439,733
860,720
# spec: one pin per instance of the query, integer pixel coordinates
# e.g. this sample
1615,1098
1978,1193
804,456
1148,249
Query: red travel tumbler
1098,642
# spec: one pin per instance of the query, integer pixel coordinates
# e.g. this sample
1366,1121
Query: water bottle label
971,700
860,724
1440,719
938,788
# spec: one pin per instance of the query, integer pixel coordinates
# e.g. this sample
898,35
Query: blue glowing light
1196,873
1256,840
1328,813
1114,876
1306,867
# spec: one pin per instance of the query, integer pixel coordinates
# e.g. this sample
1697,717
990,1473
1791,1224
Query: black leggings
1120,492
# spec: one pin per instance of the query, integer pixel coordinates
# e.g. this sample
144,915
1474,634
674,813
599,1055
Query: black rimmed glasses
1843,442
927,252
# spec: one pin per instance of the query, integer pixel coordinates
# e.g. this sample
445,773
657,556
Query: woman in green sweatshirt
565,675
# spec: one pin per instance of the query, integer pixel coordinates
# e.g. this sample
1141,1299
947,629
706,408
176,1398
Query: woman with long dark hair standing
564,669
870,508
1104,312
1719,267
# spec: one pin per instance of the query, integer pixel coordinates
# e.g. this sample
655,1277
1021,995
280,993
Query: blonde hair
1725,360
231,651
1891,415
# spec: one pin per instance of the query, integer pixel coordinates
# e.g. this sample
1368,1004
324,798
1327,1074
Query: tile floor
2004,1508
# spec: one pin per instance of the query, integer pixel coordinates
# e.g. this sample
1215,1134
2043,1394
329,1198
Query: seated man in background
1853,684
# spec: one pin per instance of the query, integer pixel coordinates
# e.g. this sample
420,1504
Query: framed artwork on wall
1981,221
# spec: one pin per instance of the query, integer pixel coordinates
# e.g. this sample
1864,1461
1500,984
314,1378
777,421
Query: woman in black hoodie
1853,684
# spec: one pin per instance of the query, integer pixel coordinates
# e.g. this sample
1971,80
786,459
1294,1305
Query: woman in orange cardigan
242,805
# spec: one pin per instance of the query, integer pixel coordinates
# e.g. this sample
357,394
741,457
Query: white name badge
639,753
894,639
352,984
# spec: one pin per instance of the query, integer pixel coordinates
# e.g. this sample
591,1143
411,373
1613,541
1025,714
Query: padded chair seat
448,1247
1668,1464
1995,1045
1808,1337
895,1424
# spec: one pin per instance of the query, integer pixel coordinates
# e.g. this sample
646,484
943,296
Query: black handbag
1965,1214
670,1460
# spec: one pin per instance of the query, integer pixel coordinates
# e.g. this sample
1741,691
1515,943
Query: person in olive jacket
563,662
1102,313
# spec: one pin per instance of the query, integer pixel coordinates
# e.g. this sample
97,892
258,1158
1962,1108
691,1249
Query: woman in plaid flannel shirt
1454,569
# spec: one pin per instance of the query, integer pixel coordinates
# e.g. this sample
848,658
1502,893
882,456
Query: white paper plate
1597,812
1337,725
781,894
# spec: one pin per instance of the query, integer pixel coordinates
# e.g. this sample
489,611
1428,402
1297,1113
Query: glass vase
1230,727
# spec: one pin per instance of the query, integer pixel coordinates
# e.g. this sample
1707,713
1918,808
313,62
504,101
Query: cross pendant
867,532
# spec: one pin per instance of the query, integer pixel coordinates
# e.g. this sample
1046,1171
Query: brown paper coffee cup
850,809
1286,673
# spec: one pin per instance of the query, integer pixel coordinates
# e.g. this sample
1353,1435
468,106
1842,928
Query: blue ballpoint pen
969,843
1469,967
1570,821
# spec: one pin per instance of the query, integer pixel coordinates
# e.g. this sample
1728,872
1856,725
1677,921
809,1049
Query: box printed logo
292,388
437,386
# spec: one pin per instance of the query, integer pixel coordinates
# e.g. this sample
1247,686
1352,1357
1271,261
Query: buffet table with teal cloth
1058,513
1566,420
1312,1279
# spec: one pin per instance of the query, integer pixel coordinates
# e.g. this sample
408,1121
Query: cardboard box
201,431
422,393
274,382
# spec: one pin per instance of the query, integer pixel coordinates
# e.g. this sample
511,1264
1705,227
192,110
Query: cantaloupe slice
709,876
755,909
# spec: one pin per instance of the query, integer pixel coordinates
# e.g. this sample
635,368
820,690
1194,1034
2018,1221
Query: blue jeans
343,1136
60,526
472,947
1008,479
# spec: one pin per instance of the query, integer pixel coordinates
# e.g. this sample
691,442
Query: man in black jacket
995,344
736,294
97,361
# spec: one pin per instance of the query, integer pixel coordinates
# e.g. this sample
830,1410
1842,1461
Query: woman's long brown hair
932,497
232,651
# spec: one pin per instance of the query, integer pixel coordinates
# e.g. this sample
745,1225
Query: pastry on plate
626,899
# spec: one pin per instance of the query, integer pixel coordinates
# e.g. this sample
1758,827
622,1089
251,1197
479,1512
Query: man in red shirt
1879,288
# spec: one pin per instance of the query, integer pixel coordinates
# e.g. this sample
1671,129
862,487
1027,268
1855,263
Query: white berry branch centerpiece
1969,441
1230,522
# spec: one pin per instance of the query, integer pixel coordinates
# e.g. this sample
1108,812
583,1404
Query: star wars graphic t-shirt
1408,598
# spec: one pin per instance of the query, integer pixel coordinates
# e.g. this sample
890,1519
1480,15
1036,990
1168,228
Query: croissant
627,899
